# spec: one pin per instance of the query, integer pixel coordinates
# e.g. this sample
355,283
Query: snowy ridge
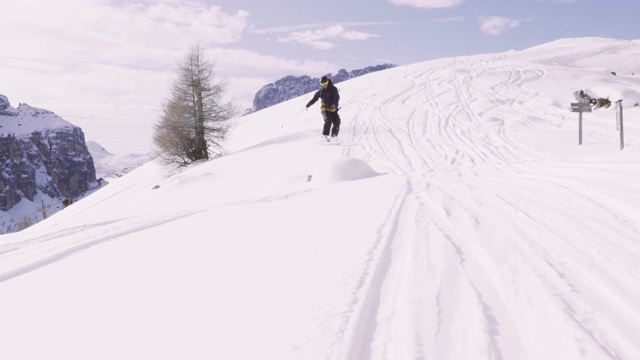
466,224
26,119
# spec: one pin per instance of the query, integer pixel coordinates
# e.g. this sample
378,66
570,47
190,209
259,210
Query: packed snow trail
482,261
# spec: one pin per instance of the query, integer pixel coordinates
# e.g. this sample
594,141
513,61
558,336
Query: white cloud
292,28
241,61
321,38
428,4
496,25
91,31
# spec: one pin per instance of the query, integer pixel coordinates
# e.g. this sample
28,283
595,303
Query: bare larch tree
195,118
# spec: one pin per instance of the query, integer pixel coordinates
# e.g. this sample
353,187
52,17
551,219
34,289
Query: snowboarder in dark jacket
330,99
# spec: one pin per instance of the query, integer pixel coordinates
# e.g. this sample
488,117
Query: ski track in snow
17,258
456,169
22,257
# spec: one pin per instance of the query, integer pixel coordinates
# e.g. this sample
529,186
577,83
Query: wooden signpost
43,209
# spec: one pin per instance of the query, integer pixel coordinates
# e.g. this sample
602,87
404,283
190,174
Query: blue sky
356,33
96,61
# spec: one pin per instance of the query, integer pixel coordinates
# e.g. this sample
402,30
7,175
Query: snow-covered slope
466,223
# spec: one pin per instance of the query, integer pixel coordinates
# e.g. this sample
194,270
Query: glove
333,108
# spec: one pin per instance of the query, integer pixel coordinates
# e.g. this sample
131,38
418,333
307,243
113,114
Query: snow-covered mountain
109,165
464,221
44,159
293,86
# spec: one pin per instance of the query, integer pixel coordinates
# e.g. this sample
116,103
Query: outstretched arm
315,98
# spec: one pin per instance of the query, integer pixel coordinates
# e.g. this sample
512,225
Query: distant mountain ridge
41,155
290,86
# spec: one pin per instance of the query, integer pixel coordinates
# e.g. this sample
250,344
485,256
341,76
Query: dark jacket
330,96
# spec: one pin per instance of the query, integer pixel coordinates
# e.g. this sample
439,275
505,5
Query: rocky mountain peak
41,153
290,86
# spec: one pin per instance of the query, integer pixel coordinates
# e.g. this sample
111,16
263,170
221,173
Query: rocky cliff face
292,86
41,152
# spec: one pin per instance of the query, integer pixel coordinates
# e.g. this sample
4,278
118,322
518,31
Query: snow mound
344,168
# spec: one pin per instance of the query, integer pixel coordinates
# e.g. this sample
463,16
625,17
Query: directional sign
580,107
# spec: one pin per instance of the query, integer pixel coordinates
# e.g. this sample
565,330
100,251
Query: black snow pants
331,118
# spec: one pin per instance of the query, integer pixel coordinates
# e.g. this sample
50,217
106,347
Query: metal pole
619,108
617,116
580,128
293,117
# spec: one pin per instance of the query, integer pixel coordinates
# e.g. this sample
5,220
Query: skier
329,108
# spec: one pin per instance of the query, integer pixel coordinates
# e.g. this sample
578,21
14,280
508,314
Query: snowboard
337,143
